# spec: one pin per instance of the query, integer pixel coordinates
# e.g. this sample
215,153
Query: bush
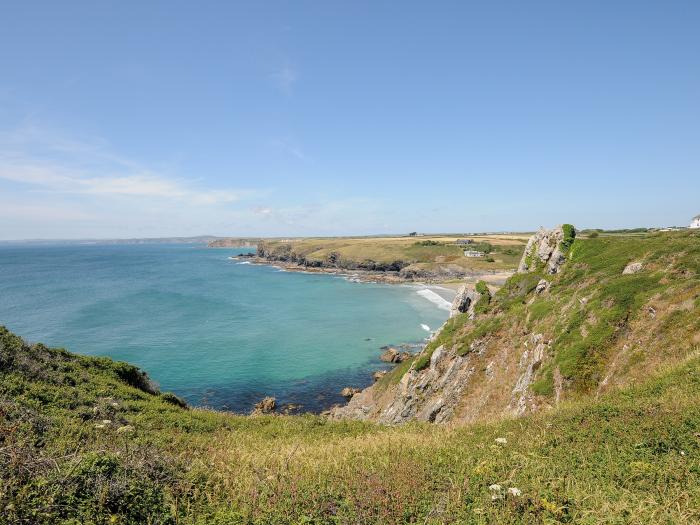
569,237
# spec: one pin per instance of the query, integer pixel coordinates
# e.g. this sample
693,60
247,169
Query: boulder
349,391
378,374
389,355
632,267
542,286
266,406
392,355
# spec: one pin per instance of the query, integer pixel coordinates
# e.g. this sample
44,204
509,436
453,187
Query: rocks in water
545,248
464,301
349,391
290,408
389,355
392,355
632,267
266,406
379,374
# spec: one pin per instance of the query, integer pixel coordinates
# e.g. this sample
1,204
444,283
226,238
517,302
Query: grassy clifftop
617,309
437,257
88,440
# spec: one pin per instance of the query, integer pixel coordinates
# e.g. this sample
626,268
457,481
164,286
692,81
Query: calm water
217,332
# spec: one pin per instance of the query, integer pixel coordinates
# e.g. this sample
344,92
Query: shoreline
494,277
368,276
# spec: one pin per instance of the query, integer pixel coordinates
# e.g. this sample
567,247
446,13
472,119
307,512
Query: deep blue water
216,332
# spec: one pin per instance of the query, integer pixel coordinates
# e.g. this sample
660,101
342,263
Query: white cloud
60,165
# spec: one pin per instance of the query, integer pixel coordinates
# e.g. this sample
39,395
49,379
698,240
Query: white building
473,253
696,222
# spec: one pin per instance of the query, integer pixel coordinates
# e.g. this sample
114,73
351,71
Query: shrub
569,237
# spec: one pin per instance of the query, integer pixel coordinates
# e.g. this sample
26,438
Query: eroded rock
266,406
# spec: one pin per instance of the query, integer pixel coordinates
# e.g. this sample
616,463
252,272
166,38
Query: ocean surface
217,331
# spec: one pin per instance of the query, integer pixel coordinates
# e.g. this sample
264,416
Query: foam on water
434,298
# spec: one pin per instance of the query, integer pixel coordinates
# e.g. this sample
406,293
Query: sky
291,118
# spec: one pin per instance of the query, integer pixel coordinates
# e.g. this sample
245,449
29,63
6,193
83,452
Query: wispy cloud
285,78
57,164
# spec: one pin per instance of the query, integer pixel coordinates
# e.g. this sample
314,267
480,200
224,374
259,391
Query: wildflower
514,491
501,441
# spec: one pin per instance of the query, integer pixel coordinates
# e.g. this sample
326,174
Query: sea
210,327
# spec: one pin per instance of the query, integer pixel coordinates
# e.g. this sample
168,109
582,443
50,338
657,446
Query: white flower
501,441
513,491
495,487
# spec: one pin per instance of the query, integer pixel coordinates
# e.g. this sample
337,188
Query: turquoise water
216,332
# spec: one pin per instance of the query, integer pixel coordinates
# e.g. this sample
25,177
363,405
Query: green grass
89,440
590,304
631,456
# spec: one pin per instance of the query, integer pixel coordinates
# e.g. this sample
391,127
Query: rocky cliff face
574,319
544,249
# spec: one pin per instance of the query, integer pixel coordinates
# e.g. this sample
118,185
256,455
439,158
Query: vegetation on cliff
90,440
86,440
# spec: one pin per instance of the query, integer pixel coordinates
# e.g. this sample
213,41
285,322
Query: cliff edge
580,316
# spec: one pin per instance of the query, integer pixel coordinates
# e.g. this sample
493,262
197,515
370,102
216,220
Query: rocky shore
384,274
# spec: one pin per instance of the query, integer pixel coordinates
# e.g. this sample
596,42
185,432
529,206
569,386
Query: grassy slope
506,253
632,456
605,327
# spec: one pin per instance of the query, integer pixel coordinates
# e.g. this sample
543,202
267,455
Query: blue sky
124,119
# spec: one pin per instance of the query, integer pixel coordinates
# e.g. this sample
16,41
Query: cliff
234,242
580,316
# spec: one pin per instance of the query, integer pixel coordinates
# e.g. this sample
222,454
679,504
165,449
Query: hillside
88,440
580,316
609,345
428,258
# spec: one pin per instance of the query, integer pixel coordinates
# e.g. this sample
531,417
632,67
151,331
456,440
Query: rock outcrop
488,374
266,406
349,391
392,355
464,301
545,248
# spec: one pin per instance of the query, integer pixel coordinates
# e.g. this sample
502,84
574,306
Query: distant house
473,253
463,241
695,223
